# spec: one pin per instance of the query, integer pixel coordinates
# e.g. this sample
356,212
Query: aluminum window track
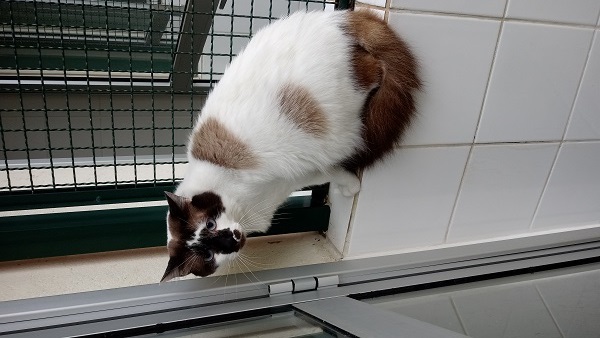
154,307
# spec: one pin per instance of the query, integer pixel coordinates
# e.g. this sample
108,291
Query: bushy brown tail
381,57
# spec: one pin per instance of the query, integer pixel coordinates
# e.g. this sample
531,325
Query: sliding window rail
154,308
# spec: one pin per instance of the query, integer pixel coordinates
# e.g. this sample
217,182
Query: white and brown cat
313,98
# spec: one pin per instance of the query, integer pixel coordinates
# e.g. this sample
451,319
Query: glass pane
286,324
545,304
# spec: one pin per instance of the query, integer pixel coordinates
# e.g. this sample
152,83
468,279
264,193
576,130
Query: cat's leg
347,182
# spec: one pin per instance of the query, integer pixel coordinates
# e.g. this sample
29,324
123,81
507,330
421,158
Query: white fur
308,49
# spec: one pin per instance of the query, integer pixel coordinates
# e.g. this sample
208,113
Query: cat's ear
176,267
176,204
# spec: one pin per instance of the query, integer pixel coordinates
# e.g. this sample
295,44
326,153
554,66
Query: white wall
508,138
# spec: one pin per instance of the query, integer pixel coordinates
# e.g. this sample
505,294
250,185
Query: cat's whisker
184,221
249,270
257,264
241,269
215,281
255,205
254,218
270,205
253,264
248,256
183,264
226,278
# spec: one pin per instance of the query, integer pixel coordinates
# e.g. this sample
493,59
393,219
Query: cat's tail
383,62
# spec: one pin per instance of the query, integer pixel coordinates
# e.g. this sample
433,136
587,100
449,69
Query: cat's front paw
350,187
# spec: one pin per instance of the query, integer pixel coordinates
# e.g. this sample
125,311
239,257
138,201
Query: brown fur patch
299,106
212,142
368,71
379,56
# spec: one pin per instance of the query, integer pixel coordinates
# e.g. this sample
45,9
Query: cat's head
200,235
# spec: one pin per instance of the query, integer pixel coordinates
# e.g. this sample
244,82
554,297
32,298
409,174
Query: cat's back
309,92
303,47
290,92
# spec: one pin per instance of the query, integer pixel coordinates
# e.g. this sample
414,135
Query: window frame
161,307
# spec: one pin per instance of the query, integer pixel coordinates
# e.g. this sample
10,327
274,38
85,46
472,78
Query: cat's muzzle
229,241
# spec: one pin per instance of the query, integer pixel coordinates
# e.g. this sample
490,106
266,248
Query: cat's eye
209,257
211,224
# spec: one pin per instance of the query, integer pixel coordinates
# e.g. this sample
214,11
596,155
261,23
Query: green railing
97,100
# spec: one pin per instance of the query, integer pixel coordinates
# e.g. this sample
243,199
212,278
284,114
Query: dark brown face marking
302,109
212,142
187,253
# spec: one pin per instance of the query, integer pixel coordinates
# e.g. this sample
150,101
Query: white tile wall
585,122
572,196
456,56
407,200
512,88
534,82
571,11
500,190
474,7
380,3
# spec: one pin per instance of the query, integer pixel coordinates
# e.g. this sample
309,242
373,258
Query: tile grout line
386,15
460,320
350,226
488,144
469,156
491,17
548,309
564,134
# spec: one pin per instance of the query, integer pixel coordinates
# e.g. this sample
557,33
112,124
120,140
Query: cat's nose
237,235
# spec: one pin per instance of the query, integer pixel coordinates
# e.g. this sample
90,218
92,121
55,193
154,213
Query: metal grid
101,94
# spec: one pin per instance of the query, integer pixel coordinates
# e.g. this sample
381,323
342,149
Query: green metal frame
57,234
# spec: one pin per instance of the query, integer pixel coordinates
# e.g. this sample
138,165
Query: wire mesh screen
104,93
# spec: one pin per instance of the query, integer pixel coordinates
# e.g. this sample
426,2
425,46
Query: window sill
81,273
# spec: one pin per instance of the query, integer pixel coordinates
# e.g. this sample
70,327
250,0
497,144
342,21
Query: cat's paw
350,187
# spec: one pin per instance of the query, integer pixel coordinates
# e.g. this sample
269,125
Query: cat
313,98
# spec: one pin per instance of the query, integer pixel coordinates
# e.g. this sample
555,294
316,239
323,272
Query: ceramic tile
380,13
533,82
474,7
500,190
572,11
574,301
406,201
380,3
451,51
572,196
437,310
585,122
514,310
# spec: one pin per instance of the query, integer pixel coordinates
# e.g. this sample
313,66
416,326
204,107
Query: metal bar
364,320
67,102
158,23
196,24
26,237
154,305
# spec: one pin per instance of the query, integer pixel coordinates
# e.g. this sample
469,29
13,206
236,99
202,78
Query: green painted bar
36,236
